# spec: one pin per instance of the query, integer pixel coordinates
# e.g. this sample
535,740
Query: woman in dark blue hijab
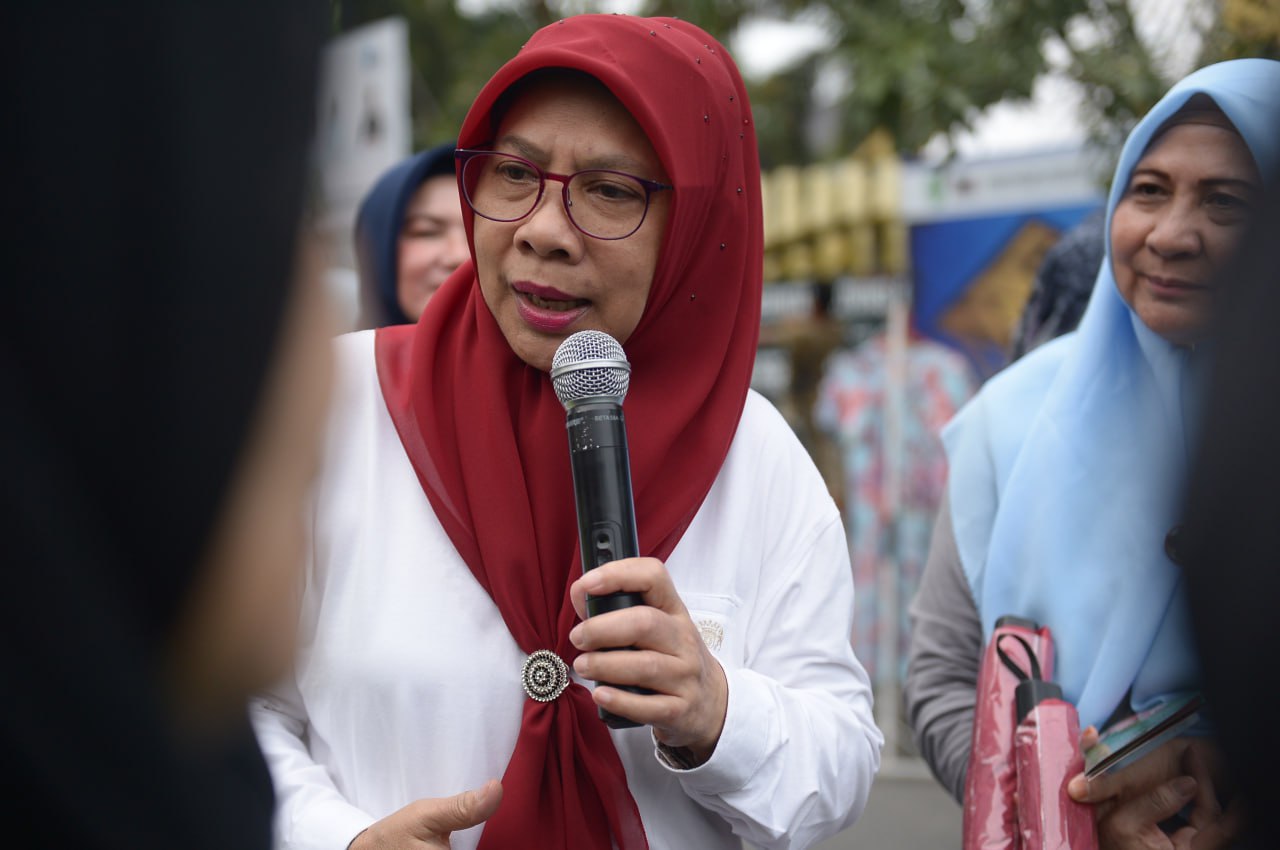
409,238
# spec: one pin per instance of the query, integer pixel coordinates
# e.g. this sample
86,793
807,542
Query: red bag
990,821
1047,753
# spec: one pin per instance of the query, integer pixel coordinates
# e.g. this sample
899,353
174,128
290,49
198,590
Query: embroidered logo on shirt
712,634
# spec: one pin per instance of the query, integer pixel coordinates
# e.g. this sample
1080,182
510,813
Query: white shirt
408,686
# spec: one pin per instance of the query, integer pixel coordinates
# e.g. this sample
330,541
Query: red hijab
486,434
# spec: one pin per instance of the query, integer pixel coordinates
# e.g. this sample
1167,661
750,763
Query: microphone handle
606,510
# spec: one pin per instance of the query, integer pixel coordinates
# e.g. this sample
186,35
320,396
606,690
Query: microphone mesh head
590,364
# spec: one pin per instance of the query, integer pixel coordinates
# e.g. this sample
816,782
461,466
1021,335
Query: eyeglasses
602,204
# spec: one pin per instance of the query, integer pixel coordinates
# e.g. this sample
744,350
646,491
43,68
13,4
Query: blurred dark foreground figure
161,379
1234,502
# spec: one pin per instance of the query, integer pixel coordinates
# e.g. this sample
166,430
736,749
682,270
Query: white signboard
363,117
1011,184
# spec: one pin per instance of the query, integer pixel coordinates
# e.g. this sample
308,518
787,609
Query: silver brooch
544,675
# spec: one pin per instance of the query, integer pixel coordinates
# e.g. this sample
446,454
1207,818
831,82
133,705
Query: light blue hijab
1065,471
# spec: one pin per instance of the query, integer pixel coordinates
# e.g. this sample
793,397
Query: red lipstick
547,309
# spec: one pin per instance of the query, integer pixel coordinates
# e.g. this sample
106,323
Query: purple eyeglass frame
464,155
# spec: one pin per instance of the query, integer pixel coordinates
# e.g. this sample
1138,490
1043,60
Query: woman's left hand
1130,804
690,692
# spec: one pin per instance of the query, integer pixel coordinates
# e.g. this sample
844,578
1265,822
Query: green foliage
1246,28
922,67
915,67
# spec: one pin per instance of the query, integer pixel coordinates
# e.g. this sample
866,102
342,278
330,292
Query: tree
1247,28
913,67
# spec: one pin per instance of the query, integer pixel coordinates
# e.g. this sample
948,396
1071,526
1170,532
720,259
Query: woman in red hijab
445,543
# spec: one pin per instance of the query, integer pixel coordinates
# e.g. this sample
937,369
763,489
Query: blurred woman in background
409,237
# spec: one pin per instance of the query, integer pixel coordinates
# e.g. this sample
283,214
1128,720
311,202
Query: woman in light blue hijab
1066,469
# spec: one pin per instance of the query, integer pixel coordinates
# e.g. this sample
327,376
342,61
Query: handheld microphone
591,376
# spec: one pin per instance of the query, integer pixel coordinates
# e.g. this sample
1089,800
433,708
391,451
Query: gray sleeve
942,666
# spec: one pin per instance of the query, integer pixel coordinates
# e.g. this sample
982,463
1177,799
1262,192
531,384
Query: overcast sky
1050,119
